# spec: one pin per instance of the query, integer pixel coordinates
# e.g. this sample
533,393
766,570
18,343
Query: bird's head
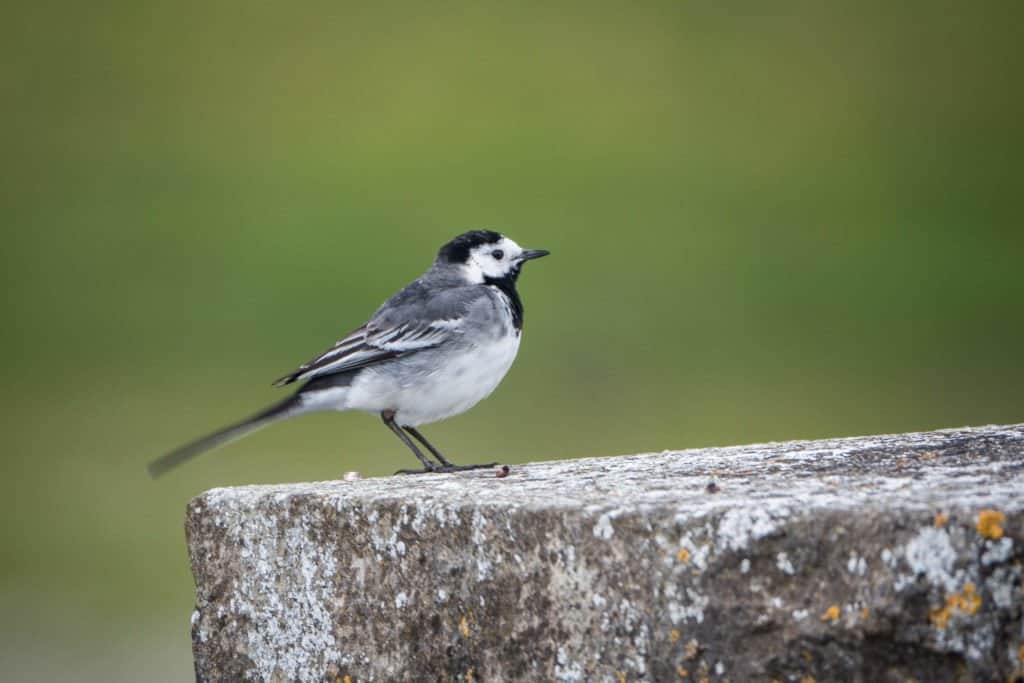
485,255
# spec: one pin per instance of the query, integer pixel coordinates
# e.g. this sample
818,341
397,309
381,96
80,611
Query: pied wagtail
433,350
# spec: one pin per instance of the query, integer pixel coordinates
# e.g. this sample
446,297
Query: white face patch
492,260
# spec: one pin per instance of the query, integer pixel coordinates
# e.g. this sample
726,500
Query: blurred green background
768,222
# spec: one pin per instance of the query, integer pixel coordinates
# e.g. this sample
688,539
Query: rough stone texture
872,559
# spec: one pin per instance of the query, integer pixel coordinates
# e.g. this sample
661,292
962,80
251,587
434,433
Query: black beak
529,254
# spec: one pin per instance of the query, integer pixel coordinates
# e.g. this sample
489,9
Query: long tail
286,408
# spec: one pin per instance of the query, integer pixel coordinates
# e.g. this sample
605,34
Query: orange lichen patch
464,627
683,555
940,616
683,673
940,519
347,679
966,602
864,614
831,614
675,635
971,600
808,679
621,676
469,675
990,523
692,648
807,655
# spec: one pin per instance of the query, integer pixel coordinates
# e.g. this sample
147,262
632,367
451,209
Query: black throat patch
507,285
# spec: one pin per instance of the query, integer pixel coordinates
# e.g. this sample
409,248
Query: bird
435,349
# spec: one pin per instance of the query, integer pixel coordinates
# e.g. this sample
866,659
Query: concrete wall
872,559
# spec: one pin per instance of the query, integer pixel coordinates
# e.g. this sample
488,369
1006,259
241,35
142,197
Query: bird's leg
430,447
389,419
446,465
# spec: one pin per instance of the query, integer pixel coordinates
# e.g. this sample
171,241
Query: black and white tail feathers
286,408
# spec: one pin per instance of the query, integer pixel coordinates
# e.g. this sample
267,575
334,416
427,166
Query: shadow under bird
433,350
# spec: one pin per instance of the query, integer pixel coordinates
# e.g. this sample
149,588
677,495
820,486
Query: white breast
456,381
434,384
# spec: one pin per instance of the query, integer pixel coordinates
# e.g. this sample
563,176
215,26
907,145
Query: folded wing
371,344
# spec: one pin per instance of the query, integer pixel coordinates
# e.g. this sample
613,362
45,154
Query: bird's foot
447,469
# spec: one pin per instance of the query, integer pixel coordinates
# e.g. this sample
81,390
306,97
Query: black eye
498,254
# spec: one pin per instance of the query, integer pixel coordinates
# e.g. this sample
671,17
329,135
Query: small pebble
352,476
712,488
502,472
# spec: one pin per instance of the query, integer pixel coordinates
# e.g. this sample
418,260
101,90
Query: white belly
434,387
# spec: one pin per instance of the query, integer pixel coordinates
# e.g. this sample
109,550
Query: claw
448,469
464,468
423,471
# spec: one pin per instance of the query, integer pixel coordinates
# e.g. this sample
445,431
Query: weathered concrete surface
874,559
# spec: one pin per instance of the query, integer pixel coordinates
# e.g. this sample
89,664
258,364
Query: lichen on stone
590,569
966,602
990,523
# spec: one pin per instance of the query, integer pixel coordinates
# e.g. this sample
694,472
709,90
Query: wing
371,344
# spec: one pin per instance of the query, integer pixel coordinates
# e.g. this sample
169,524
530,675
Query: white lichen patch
479,523
484,557
1004,587
567,670
483,567
286,595
691,610
740,526
697,554
930,553
783,563
997,552
856,565
603,528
